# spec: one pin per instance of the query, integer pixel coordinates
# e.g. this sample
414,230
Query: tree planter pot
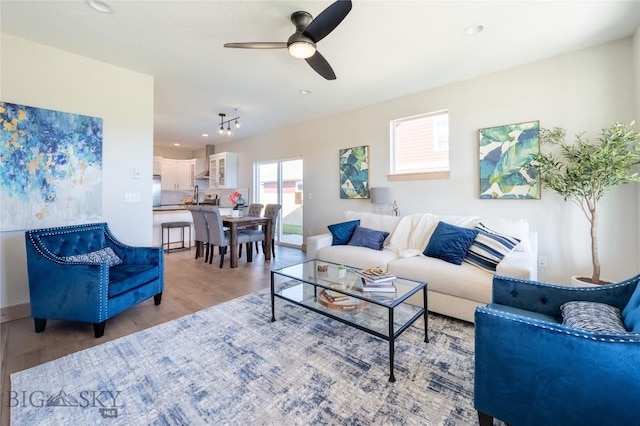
579,281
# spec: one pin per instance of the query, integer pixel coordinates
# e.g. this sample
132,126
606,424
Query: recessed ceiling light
305,92
205,135
100,6
472,30
176,144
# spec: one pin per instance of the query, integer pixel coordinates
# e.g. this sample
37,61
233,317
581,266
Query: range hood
209,149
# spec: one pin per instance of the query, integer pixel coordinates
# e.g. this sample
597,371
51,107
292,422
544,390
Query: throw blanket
413,232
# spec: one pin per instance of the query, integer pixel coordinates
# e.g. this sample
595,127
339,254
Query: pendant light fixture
228,131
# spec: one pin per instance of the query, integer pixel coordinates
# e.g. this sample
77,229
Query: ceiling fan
309,31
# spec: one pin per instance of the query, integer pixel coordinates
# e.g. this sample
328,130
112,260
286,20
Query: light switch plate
132,197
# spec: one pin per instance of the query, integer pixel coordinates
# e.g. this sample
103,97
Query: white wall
174,153
583,91
636,74
36,75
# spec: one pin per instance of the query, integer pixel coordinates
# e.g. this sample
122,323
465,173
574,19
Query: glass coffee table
319,286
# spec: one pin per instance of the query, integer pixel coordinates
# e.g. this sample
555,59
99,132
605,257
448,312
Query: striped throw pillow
488,248
592,316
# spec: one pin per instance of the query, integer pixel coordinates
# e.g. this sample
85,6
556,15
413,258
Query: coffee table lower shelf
360,316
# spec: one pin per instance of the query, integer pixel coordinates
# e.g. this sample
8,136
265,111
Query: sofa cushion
365,237
518,228
489,248
357,257
99,256
412,234
592,316
381,222
343,231
450,243
123,278
464,281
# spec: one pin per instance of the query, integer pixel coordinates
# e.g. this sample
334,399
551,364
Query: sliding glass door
280,182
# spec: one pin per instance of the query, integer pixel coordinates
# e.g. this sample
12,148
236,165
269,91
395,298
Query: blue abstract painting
50,168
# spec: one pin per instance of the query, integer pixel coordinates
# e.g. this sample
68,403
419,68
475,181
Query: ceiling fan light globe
301,49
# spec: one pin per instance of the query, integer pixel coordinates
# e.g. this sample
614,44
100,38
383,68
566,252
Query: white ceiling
382,50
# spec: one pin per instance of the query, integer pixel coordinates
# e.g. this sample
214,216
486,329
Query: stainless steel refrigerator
157,191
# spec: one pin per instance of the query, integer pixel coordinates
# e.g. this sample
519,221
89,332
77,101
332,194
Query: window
420,146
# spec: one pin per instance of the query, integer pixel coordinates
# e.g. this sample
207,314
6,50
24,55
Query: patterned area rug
229,364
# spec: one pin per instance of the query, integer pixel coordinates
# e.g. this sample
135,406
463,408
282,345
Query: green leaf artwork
505,158
354,172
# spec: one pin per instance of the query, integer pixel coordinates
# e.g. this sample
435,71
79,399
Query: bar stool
171,225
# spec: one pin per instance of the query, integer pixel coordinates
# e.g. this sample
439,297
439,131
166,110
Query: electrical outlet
542,262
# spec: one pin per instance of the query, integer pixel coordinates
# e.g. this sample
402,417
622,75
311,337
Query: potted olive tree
584,170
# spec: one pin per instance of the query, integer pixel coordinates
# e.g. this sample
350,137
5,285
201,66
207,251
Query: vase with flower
238,203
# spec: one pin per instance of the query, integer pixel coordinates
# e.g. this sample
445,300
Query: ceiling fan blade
258,45
327,21
321,66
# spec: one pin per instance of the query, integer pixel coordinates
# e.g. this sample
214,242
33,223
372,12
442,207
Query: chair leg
206,256
223,250
239,251
484,419
256,247
98,328
273,248
157,298
40,324
249,252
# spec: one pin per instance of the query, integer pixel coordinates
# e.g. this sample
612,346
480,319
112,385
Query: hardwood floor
190,285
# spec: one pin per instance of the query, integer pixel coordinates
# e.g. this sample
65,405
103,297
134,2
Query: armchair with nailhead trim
531,369
83,273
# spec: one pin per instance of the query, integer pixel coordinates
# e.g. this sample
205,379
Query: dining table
235,223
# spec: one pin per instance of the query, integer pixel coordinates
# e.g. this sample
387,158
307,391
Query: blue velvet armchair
530,369
83,273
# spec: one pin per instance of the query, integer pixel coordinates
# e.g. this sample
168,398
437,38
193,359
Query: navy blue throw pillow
365,237
450,243
342,232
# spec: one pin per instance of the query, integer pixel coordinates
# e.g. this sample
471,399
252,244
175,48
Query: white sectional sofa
453,290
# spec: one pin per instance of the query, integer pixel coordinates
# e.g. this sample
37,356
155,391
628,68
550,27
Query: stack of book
374,280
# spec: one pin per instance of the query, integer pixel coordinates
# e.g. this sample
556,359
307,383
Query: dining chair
255,209
201,231
272,211
217,235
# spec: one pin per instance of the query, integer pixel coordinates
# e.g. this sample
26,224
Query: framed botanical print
505,161
354,172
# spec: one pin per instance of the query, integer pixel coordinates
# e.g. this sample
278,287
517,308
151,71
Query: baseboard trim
15,312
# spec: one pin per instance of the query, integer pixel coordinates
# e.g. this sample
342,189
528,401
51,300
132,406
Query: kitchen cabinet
177,174
157,165
223,170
